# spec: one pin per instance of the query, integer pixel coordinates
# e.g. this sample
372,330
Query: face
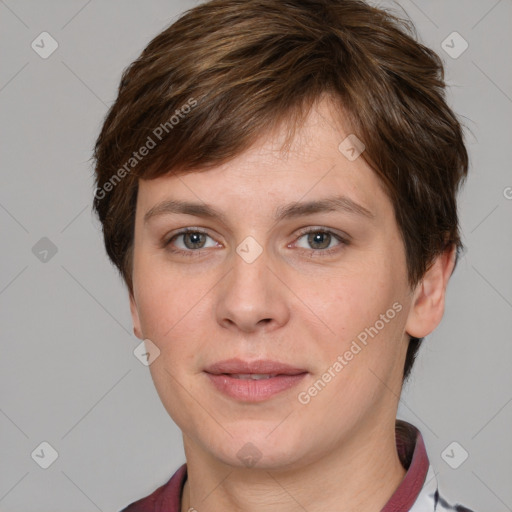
310,294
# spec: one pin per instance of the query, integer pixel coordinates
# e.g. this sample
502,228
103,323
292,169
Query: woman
277,185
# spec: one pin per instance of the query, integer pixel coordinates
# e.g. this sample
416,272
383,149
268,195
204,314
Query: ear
135,317
428,302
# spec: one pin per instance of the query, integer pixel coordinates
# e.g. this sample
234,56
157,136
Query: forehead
314,166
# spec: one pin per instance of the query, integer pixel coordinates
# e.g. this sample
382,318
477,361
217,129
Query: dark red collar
413,456
410,447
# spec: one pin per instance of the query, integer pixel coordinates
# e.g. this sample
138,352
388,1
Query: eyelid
343,240
323,229
167,239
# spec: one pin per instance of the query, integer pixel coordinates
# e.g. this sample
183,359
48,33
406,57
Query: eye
321,241
189,240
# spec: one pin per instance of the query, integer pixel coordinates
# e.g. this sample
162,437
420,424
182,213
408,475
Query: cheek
352,301
170,307
155,306
175,310
163,297
366,312
363,362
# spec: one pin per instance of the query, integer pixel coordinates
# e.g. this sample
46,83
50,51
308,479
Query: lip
235,366
284,377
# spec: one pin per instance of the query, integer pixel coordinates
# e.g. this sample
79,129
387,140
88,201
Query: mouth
254,381
253,376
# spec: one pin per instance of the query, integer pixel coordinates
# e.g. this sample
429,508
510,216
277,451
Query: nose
252,297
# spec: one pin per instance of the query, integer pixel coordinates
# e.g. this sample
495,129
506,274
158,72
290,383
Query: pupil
314,238
195,240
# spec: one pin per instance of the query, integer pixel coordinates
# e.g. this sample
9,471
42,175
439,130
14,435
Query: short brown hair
228,70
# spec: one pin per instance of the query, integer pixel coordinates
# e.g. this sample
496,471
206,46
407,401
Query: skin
292,304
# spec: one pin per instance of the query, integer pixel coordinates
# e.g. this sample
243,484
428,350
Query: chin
256,450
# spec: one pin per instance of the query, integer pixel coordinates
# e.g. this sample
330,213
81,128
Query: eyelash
313,252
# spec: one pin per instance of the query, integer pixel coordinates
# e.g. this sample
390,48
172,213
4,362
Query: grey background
68,375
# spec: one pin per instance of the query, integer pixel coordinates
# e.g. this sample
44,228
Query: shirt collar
419,483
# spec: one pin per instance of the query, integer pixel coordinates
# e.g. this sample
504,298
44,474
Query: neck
360,475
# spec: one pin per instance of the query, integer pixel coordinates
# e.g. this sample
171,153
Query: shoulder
146,504
167,497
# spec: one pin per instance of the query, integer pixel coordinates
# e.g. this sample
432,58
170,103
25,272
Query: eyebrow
289,211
